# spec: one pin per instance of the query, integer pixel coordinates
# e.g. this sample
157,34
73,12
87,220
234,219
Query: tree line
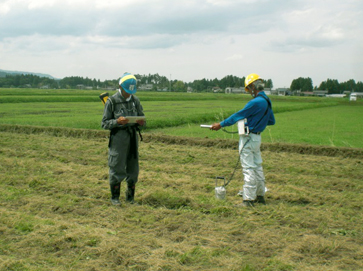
160,82
331,85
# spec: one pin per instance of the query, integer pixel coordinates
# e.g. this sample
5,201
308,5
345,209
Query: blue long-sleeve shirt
254,111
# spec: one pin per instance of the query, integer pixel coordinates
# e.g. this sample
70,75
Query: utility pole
170,83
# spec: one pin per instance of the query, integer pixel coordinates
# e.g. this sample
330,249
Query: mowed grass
55,212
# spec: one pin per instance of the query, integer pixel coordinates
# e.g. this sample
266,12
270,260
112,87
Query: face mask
252,93
128,99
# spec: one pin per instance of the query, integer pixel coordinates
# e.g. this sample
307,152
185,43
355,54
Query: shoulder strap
113,102
268,106
112,99
136,104
268,102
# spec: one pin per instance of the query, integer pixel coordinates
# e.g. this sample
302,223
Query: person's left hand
216,126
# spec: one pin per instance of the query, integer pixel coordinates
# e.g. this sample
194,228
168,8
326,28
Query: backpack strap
268,106
268,102
112,99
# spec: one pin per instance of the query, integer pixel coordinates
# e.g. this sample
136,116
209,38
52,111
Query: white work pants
251,160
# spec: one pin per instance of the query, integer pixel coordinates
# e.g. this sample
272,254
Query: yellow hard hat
250,79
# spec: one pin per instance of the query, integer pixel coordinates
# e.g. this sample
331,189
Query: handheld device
242,128
133,119
205,126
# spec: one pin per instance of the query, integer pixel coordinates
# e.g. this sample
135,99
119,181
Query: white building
355,96
234,90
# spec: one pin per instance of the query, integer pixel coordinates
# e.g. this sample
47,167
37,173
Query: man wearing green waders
120,116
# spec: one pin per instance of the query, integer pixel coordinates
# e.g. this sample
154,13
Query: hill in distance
3,73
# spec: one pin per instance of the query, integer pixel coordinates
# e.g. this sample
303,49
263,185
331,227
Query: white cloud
190,39
234,57
4,8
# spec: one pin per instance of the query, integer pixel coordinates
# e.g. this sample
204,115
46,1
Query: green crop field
300,120
337,126
55,212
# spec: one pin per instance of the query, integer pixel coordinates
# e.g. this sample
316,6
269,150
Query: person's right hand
122,121
216,126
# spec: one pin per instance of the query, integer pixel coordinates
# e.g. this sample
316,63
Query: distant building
355,96
106,88
320,93
283,91
296,93
336,95
163,89
81,86
307,93
216,89
146,87
267,91
230,90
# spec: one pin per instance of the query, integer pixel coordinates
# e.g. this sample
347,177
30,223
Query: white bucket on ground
221,190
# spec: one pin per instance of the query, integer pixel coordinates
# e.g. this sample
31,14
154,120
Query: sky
186,40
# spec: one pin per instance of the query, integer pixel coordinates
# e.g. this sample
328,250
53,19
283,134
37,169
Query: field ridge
189,141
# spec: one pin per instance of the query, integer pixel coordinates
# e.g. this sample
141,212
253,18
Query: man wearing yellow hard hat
259,114
124,116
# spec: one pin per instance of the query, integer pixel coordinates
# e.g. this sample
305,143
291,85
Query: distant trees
231,81
269,84
159,82
179,86
155,79
29,80
162,82
331,85
303,84
334,87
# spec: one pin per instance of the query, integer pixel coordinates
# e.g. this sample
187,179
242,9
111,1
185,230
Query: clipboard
133,119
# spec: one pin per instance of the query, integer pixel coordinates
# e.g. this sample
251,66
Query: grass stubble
56,215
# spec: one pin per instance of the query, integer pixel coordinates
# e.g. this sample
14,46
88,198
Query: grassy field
55,212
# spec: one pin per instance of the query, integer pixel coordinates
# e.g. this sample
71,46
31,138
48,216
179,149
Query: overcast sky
185,40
